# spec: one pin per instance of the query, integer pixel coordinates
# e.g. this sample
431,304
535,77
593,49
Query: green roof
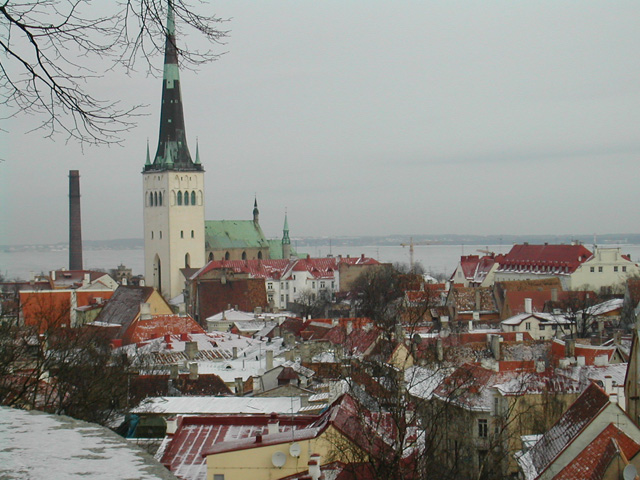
223,234
275,250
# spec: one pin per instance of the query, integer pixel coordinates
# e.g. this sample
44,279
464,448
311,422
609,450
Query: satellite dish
630,472
294,450
278,459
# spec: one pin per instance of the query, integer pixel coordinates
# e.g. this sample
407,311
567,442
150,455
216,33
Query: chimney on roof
570,348
193,371
470,325
528,305
314,467
608,384
86,279
269,361
273,425
234,352
239,384
439,349
145,311
52,276
191,350
495,346
75,222
581,361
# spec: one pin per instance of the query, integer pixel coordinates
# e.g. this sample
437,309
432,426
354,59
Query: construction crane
486,252
412,244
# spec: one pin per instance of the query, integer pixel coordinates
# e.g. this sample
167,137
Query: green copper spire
172,152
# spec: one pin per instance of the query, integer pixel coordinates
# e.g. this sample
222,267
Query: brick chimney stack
75,223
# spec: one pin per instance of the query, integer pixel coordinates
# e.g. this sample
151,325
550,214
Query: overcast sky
373,118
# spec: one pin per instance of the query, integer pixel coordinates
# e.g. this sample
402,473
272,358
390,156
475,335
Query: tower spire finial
256,212
148,162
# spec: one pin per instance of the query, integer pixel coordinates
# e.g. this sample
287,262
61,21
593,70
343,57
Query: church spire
285,231
172,149
256,212
286,241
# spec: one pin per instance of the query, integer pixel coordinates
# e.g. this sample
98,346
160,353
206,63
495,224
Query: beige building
608,267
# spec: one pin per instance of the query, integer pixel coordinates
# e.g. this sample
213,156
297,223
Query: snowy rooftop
218,405
542,317
40,445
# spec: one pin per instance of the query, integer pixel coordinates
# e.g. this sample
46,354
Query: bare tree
53,49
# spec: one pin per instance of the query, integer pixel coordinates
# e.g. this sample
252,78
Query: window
160,199
151,235
181,233
483,428
186,198
244,255
554,327
193,198
259,255
218,476
294,289
600,269
592,269
624,269
540,327
179,198
227,256
321,284
333,285
313,284
160,234
211,256
527,326
192,234
270,286
615,269
282,298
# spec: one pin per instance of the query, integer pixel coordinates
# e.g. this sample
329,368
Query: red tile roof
589,352
559,259
580,414
159,326
593,461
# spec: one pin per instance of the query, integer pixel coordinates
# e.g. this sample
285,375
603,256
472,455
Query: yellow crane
412,244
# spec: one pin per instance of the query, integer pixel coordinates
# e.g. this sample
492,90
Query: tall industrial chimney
75,223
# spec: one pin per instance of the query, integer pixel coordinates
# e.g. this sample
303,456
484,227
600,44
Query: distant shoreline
368,240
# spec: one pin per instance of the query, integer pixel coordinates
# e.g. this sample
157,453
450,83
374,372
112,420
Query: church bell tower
173,186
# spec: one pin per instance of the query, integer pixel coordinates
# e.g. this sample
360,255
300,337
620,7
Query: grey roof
40,445
123,307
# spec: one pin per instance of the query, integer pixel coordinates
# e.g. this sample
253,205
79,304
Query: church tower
173,186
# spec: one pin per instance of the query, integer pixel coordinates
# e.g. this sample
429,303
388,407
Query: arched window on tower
187,261
227,256
160,199
244,255
150,200
179,197
186,197
199,197
155,199
192,234
211,256
193,198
